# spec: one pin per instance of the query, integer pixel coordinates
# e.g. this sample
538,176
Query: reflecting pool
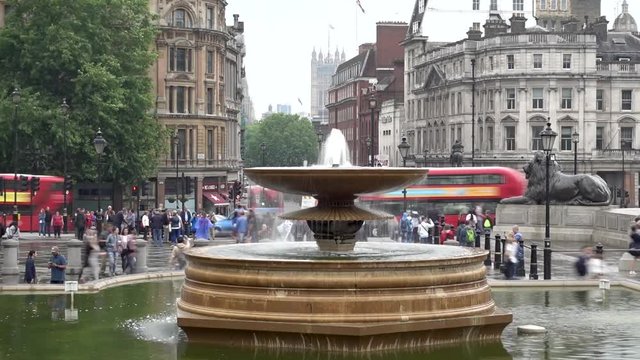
138,322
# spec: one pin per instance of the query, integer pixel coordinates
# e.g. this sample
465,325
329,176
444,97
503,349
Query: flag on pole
331,27
360,5
300,101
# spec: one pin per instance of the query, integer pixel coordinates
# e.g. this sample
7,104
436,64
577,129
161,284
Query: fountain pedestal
381,296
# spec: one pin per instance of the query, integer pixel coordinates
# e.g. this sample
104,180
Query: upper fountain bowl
335,182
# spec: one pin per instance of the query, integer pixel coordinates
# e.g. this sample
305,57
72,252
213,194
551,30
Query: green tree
97,55
289,140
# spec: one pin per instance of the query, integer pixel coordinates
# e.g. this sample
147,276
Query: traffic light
238,188
24,183
188,185
68,183
134,190
146,188
2,187
35,184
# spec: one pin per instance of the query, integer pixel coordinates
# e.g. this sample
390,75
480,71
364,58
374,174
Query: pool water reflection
138,322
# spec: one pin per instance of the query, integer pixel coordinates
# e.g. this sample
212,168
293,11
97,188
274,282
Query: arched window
180,18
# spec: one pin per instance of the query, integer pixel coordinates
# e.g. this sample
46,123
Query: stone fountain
337,295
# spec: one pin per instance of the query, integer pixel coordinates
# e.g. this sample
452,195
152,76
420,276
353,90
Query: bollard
487,246
546,258
141,256
533,266
497,255
503,240
478,241
520,268
74,256
10,259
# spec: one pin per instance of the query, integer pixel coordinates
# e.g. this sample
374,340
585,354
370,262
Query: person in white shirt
424,230
145,225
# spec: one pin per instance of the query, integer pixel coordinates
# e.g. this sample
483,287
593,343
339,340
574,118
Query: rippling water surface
138,322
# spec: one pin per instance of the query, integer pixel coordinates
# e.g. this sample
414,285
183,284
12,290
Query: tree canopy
96,54
289,141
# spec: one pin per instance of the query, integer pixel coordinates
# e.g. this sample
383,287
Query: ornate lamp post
263,147
373,103
64,108
575,138
367,141
15,97
548,137
176,142
320,136
99,143
473,112
623,192
404,147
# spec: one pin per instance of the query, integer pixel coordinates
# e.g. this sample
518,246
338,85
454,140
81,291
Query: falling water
335,151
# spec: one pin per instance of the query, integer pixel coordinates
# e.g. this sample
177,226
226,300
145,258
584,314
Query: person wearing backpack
470,235
487,223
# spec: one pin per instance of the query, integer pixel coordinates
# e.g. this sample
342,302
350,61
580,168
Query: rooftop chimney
495,25
365,47
474,32
235,20
599,27
571,25
518,23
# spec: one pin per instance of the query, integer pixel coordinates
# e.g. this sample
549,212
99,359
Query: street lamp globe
548,137
64,107
99,142
15,96
368,142
404,148
263,146
320,136
373,102
575,137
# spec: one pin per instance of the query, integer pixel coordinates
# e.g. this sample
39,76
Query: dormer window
624,59
180,18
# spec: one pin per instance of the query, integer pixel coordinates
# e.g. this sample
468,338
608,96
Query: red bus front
50,195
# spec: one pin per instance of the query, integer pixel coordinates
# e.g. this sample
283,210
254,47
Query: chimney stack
474,32
599,27
518,23
571,25
235,20
495,25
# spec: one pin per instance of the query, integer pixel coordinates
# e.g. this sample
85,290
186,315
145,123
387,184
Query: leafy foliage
289,140
96,54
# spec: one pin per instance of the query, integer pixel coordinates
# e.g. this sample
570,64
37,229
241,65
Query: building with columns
198,79
583,81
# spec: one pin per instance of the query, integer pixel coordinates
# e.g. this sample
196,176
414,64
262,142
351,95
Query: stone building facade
583,81
322,69
198,79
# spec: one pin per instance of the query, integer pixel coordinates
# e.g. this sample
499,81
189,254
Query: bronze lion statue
581,189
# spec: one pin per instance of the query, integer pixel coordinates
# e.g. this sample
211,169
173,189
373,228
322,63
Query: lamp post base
547,259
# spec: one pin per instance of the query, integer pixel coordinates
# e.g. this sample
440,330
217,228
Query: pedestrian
582,265
203,227
446,234
144,221
156,227
130,220
487,223
13,231
47,221
41,223
415,222
166,226
30,268
176,226
517,236
241,227
178,259
634,248
122,247
510,254
118,219
252,228
57,264
92,254
57,222
424,230
79,224
112,249
186,217
132,247
212,230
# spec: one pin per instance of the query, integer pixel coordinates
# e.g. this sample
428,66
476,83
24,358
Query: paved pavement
563,260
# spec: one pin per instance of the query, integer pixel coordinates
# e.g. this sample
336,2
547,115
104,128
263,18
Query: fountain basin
380,296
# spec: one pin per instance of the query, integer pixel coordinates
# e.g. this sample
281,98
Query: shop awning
216,198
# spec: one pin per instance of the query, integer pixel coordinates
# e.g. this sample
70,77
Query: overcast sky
281,34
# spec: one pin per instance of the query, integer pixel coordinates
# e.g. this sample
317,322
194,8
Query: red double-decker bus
50,195
452,191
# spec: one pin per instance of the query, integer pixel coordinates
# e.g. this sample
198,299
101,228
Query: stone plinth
141,256
74,256
10,259
569,224
382,296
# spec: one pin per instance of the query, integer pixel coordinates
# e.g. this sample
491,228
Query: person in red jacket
57,222
446,234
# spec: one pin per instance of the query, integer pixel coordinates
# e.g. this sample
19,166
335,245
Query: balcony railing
616,153
619,68
200,163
